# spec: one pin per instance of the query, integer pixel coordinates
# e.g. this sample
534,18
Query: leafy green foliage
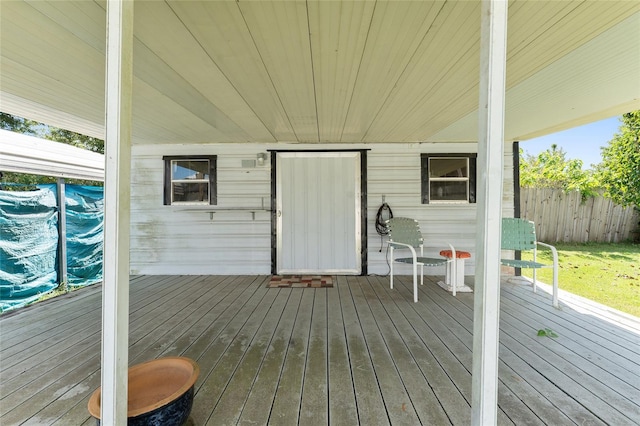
26,182
76,139
547,332
20,125
551,169
619,171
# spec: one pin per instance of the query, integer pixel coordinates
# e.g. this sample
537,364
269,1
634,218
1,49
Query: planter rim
95,400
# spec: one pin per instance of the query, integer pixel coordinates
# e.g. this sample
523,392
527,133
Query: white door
318,213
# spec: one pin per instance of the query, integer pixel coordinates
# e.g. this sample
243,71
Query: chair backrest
404,230
518,234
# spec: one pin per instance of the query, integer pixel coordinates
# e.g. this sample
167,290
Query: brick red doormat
295,281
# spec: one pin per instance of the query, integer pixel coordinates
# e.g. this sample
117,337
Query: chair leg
391,267
415,282
555,278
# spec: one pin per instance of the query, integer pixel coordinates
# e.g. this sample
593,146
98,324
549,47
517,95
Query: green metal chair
520,234
404,233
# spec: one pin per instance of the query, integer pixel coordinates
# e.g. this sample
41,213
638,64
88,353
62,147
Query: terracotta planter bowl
160,392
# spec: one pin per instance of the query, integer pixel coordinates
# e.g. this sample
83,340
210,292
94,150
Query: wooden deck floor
357,353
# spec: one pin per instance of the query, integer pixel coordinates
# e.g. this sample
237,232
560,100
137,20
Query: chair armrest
453,250
409,246
554,252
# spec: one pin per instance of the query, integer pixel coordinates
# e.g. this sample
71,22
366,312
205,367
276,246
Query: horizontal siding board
192,240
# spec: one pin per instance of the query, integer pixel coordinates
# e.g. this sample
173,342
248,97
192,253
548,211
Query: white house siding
174,240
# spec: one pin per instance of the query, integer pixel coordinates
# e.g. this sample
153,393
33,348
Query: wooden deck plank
371,409
445,321
193,342
548,402
593,325
362,347
619,376
166,339
342,398
576,364
58,340
47,384
14,332
52,368
260,398
146,298
89,374
605,356
231,402
286,402
439,382
220,360
315,399
45,340
422,397
142,298
396,399
580,415
150,341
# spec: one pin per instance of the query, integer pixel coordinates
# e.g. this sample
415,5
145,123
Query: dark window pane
448,191
448,167
190,192
190,169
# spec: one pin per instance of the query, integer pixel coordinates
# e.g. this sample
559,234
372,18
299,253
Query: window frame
168,179
425,178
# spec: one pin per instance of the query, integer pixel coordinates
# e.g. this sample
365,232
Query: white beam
486,311
115,293
28,154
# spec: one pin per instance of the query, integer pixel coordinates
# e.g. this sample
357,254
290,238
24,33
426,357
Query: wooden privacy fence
564,217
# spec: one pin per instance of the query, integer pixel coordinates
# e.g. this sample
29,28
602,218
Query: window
190,180
448,178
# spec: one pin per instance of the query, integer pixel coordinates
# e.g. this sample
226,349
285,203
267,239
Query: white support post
486,313
115,292
62,234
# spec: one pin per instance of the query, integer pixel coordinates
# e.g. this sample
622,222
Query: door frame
363,204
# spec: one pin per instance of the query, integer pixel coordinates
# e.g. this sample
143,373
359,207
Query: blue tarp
29,241
85,217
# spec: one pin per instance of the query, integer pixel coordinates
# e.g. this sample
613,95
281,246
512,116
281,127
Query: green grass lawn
606,273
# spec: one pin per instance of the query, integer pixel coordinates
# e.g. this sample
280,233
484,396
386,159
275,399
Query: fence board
565,217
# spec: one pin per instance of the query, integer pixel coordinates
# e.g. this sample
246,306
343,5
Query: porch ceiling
320,71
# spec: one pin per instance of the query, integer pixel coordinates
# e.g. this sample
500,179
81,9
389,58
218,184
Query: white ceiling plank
281,34
31,83
446,66
307,71
338,35
84,19
221,30
561,96
191,77
397,29
535,32
170,122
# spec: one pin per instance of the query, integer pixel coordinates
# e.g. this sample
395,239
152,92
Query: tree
20,125
551,169
619,171
76,139
33,128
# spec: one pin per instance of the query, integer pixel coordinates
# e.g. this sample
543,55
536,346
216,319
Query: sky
582,142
